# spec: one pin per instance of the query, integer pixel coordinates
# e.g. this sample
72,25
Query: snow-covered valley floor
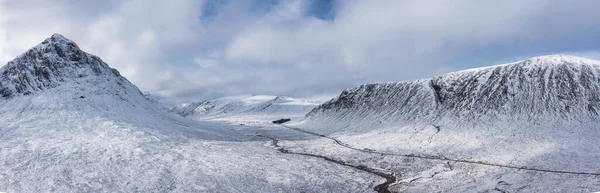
108,156
172,154
422,172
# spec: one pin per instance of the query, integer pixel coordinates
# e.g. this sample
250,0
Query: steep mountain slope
58,61
541,112
58,76
247,108
70,123
538,89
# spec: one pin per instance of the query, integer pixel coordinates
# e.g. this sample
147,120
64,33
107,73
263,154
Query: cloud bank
189,50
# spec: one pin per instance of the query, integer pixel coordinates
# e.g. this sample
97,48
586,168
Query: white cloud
388,34
165,47
206,63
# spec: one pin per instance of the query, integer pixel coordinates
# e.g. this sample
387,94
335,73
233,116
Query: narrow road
381,188
440,158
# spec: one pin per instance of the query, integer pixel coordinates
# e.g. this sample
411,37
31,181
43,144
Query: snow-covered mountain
247,107
70,123
57,75
59,62
548,88
540,112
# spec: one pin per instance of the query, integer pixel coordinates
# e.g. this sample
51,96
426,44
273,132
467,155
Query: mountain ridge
262,107
529,112
548,85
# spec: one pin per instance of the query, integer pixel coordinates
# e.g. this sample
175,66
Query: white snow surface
247,109
69,123
538,113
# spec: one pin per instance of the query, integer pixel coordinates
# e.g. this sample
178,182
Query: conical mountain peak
52,63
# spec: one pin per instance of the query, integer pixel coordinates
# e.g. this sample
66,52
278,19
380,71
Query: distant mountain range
247,107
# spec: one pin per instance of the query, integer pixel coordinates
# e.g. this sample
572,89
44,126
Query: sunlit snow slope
540,112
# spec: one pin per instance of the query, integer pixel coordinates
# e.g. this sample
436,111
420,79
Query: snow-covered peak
57,45
56,76
539,62
58,36
561,59
54,62
58,39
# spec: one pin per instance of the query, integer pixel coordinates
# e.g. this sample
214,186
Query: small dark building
280,121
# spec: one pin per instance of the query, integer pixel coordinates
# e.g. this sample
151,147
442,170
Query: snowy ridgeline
540,112
247,108
553,88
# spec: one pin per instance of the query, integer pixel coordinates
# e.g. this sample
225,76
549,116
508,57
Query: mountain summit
54,62
57,76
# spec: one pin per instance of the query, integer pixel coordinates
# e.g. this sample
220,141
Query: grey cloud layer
167,48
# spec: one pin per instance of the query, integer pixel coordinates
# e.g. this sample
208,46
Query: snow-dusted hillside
541,112
70,123
548,88
57,76
246,108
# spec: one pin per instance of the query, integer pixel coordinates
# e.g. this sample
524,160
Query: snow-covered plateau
70,123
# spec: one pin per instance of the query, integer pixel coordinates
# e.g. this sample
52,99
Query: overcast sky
189,50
